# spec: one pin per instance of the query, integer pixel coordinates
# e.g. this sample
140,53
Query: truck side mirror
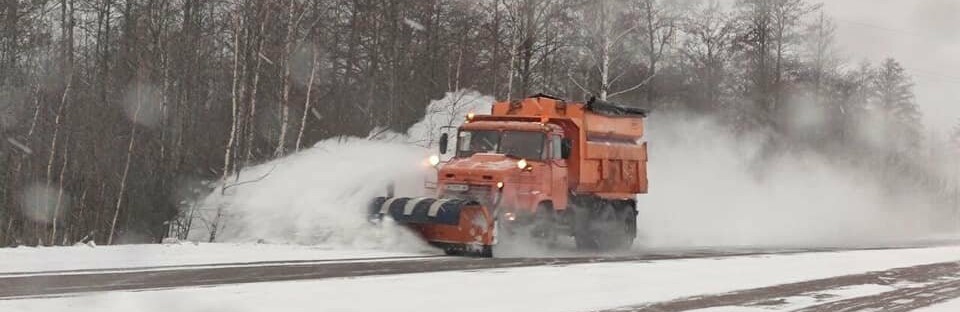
565,146
444,140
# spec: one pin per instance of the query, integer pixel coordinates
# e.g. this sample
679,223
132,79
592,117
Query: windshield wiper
512,156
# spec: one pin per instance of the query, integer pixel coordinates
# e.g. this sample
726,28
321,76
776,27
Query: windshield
520,144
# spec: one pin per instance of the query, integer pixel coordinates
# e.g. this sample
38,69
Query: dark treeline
111,111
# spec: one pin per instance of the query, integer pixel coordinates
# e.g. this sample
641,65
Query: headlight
522,164
499,185
434,160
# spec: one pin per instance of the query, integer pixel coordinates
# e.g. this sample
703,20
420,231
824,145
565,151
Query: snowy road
54,283
892,279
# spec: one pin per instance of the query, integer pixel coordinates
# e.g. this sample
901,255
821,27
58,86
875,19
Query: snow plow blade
458,226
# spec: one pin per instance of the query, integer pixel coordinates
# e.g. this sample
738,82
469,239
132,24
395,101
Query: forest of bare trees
112,112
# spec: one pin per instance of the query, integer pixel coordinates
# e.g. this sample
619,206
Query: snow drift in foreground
319,195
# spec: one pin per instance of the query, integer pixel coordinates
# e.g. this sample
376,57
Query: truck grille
480,193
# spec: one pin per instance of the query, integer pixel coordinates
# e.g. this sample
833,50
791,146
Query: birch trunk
56,209
126,164
231,141
252,116
285,104
306,103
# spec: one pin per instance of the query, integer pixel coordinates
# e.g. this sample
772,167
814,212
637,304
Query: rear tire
582,235
630,218
604,225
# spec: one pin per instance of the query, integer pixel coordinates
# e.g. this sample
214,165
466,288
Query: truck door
558,173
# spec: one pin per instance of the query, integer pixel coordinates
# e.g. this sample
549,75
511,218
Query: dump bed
608,156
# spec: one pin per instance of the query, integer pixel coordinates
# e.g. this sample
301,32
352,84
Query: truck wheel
630,217
601,225
452,251
544,227
583,235
613,232
486,252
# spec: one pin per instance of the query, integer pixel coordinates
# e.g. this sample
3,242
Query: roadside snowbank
31,259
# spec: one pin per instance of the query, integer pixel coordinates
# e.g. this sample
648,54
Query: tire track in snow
932,276
901,300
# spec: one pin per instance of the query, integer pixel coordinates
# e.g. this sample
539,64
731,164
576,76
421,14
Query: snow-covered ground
585,287
949,306
29,259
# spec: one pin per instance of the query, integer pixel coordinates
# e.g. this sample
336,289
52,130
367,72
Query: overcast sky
924,35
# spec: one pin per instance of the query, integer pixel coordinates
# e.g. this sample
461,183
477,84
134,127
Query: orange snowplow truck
540,166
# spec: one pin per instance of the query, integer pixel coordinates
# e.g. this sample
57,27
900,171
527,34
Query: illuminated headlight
510,216
434,160
522,164
500,185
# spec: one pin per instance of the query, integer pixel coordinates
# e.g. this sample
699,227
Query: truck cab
517,166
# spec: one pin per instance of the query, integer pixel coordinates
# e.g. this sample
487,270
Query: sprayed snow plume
318,196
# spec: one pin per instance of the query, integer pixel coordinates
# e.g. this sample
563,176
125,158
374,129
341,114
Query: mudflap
458,226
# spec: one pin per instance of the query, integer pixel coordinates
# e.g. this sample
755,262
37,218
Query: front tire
544,227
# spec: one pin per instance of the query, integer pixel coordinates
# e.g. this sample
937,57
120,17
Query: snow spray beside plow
541,167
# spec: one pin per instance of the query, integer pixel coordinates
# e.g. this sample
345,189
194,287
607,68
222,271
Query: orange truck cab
540,166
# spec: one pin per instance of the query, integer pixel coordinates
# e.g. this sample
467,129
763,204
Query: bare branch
575,82
235,184
645,82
